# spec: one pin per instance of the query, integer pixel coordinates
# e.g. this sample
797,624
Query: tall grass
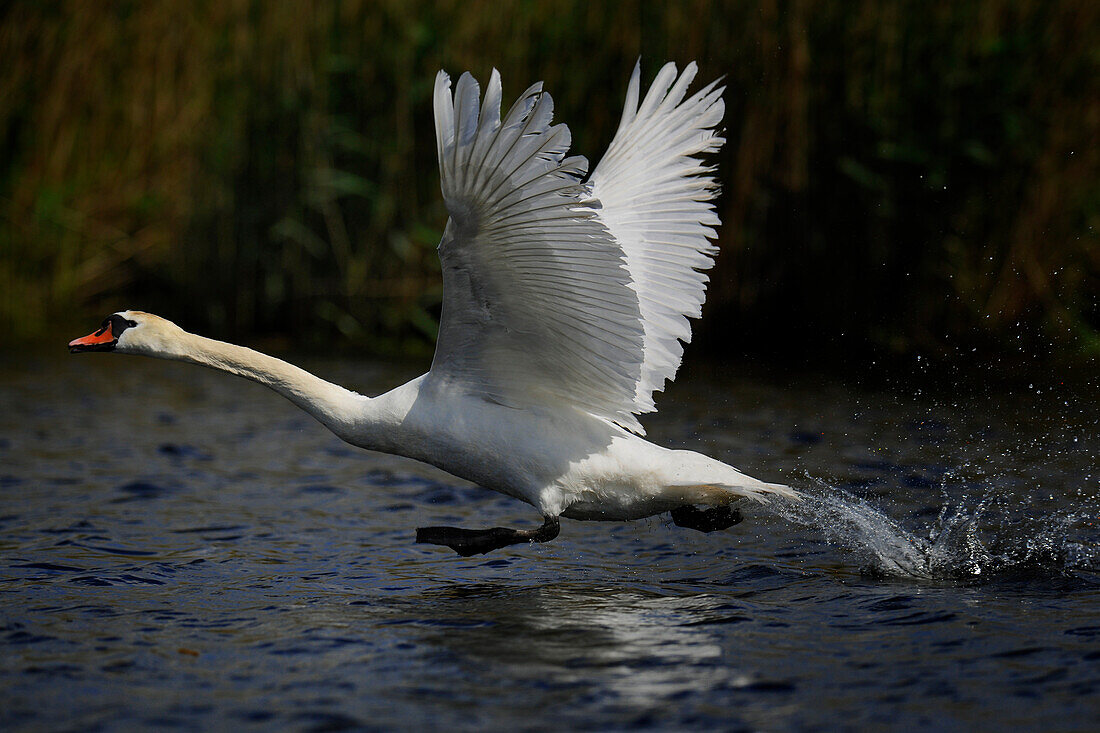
907,175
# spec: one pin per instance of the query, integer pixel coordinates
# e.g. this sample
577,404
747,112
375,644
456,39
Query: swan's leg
468,542
710,519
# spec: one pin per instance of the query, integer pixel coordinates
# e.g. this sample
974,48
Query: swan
565,308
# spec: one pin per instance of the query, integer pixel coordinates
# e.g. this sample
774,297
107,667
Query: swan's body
565,305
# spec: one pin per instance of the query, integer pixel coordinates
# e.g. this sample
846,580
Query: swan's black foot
710,519
468,542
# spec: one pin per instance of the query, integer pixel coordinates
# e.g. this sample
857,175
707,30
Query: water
185,550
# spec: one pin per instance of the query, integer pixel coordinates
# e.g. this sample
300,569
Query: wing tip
653,155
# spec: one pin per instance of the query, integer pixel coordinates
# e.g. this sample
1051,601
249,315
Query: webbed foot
710,519
467,542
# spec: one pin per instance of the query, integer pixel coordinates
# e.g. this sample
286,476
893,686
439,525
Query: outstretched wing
538,307
656,201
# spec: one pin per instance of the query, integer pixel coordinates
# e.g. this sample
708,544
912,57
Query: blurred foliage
904,175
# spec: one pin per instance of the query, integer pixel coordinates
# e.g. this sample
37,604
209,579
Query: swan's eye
118,324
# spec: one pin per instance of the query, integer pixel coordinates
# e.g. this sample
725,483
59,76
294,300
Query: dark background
899,178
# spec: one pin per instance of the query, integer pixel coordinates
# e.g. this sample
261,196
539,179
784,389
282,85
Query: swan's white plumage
561,292
566,305
537,307
656,199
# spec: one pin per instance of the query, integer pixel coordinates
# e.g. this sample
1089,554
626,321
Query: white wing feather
657,202
537,308
557,292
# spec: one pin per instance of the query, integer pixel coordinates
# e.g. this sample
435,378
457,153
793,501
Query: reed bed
898,175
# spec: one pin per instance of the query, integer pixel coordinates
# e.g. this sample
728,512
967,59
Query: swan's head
130,332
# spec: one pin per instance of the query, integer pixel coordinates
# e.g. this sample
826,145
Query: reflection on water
639,649
185,550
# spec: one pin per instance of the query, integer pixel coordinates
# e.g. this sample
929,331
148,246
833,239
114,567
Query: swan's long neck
344,412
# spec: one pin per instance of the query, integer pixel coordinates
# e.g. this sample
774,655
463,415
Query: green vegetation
904,175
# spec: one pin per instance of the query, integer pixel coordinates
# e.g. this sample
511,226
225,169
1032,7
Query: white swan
565,305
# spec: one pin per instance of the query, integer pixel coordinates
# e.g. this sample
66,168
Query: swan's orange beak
102,340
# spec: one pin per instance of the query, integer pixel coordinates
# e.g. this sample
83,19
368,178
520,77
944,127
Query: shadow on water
972,538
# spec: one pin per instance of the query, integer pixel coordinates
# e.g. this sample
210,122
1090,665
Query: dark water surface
181,549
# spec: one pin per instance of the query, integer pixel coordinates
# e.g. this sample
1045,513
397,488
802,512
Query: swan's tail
721,494
700,479
781,490
784,491
697,479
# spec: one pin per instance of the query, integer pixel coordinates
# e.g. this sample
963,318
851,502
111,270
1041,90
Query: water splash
989,537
